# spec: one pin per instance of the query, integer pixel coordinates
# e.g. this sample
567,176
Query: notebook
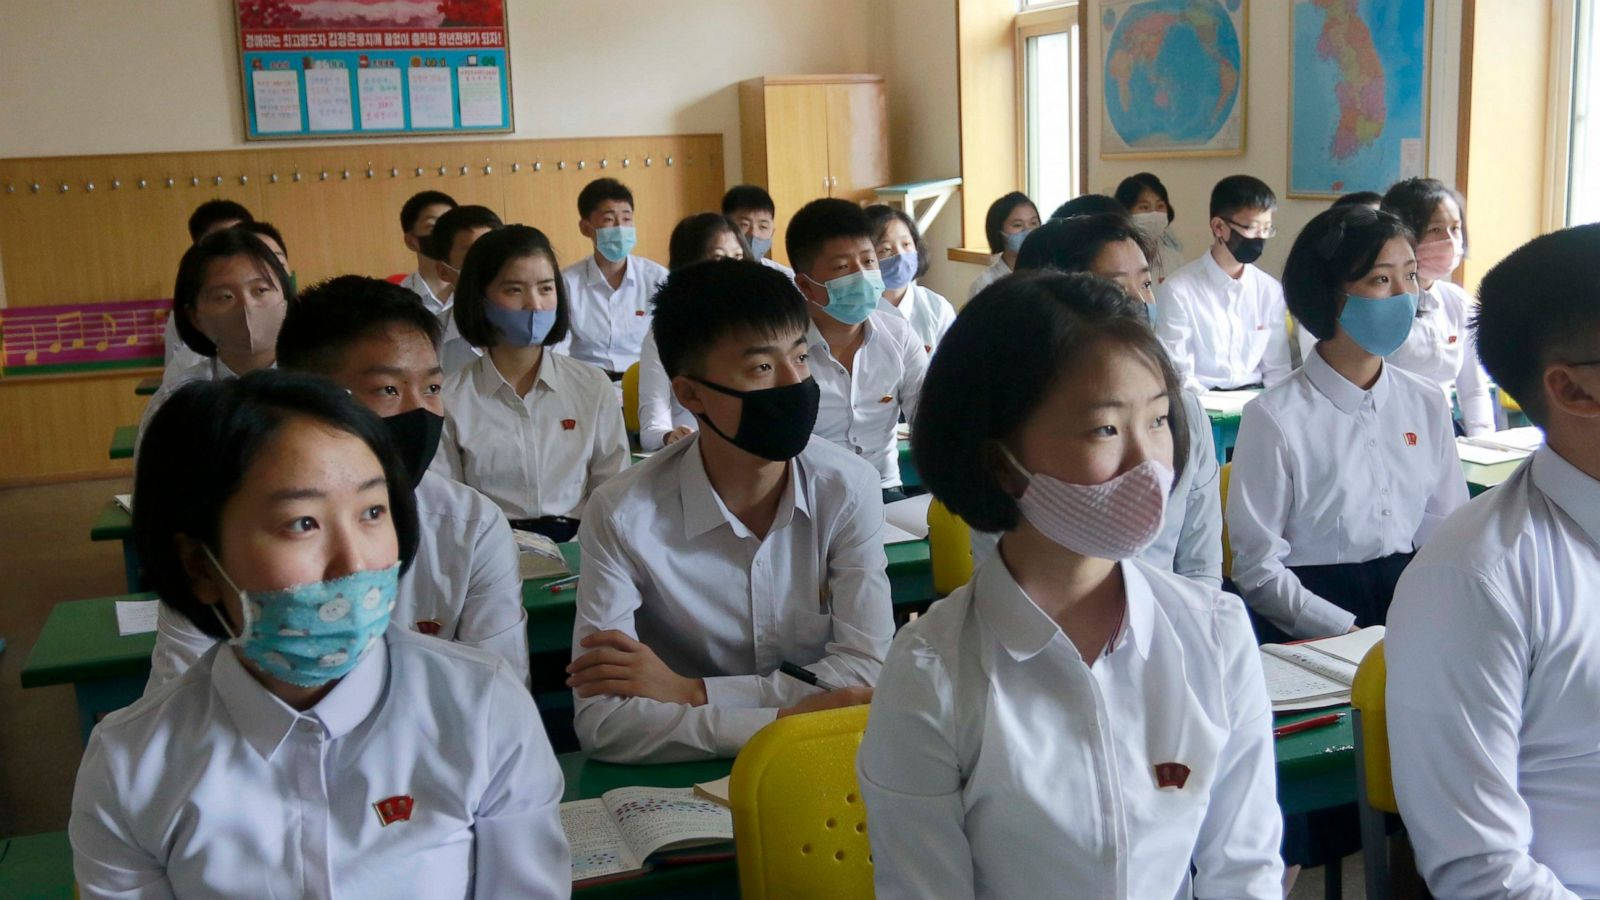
538,556
1226,401
1315,674
613,835
125,501
715,791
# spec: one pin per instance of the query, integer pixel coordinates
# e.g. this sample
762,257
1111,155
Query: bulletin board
317,69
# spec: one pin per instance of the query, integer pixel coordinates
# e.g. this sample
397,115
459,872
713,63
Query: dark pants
557,528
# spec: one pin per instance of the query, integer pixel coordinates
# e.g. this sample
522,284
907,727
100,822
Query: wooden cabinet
810,136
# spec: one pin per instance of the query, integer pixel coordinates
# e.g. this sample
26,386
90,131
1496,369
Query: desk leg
130,565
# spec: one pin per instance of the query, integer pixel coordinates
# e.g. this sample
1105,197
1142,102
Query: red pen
1306,725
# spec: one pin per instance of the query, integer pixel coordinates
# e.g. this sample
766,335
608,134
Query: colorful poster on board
334,68
1172,73
1358,109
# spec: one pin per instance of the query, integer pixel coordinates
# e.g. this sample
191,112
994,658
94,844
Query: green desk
1480,477
116,524
37,867
1316,768
1224,432
122,441
147,386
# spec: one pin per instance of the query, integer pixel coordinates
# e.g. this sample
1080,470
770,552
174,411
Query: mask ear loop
244,601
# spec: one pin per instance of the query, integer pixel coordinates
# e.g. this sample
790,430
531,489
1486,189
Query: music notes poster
79,334
314,68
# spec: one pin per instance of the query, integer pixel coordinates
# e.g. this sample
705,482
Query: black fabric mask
1245,250
416,439
774,423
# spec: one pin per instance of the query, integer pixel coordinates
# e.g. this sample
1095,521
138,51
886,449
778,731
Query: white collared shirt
1223,332
607,327
176,355
860,409
995,271
929,314
667,563
538,455
1493,653
771,263
455,352
213,787
418,285
997,764
1325,472
659,410
464,586
207,368
1169,256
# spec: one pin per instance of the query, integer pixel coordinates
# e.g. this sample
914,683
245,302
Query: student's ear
586,229
202,575
687,392
413,243
1574,390
1219,229
1000,469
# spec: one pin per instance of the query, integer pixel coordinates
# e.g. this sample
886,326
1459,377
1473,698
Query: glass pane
1052,118
1583,178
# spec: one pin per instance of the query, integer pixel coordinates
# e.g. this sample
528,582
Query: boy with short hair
748,544
868,363
453,234
417,218
751,208
610,290
1222,319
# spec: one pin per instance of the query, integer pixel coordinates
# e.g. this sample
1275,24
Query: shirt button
857,449
1386,513
1371,442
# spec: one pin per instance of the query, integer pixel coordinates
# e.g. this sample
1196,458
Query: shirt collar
593,276
489,380
703,509
1576,493
264,720
1429,300
815,339
1346,397
1215,275
1025,630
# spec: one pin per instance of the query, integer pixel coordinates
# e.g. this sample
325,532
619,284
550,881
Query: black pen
799,674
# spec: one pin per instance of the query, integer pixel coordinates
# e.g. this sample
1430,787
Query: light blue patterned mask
615,242
311,634
852,297
1379,326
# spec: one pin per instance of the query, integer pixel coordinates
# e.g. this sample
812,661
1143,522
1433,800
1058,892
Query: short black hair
1072,244
411,211
1415,200
265,229
209,213
1360,198
599,191
1538,306
192,275
743,197
819,222
1088,205
1130,189
1336,247
995,219
1001,358
879,215
436,246
199,448
336,313
1238,192
702,303
489,254
692,238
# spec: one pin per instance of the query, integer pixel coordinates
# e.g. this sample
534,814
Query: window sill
970,255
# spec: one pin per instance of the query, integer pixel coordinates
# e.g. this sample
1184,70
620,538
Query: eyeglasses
1251,231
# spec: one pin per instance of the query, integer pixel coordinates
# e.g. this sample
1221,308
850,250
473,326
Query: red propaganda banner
266,25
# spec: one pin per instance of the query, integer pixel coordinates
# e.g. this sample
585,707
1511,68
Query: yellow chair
630,399
799,825
1374,780
1227,549
949,549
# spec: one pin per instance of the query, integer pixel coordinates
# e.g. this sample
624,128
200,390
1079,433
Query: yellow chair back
630,399
1227,548
799,825
949,549
1366,696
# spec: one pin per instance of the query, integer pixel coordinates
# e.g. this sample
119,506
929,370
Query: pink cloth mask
1437,259
1116,519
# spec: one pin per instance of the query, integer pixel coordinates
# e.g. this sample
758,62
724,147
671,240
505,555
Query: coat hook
65,187
89,187
344,174
581,165
562,164
394,172
463,170
296,175
170,182
538,167
604,162
244,179
194,181
323,176
217,180
419,171
441,168
273,178
34,187
369,170
11,188
489,170
649,161
669,160
625,162
515,167
143,184
115,182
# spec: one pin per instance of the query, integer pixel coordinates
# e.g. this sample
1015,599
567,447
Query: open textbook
1315,674
538,556
613,835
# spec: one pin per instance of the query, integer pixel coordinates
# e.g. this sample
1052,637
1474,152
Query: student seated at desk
1493,674
1341,472
417,218
212,215
1073,722
1006,225
662,419
377,341
452,236
1223,319
609,290
1145,198
318,751
535,431
749,544
868,363
753,212
902,259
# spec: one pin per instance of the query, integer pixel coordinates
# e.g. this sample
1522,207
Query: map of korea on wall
1173,74
1358,116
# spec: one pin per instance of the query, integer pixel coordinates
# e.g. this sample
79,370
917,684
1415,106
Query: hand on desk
850,696
676,434
621,666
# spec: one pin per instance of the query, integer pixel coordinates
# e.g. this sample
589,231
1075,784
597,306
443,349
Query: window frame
1060,18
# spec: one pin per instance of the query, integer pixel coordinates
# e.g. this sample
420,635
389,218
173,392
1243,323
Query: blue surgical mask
759,247
1014,240
852,297
311,634
520,327
899,270
615,242
1380,327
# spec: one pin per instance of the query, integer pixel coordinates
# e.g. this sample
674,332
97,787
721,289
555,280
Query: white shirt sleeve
1458,659
915,361
179,645
1276,364
447,459
1176,329
107,861
1199,552
655,397
611,455
492,617
1472,389
1449,484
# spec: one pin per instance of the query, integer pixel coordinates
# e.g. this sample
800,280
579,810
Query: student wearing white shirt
749,544
1145,198
609,290
318,752
452,236
1072,722
902,259
377,341
1006,225
210,216
1222,319
1493,674
662,419
1341,472
753,212
867,363
535,431
417,217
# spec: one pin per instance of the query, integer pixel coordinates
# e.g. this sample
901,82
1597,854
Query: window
1049,119
1583,164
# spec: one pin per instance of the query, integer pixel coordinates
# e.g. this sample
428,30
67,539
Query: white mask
1116,519
1153,224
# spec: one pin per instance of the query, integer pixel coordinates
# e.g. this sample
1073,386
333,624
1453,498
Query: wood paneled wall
58,427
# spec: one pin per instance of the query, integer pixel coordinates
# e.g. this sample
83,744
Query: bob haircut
879,215
336,313
1336,247
995,219
1072,245
692,238
1088,205
703,302
1011,346
197,261
1415,200
199,450
490,254
1133,187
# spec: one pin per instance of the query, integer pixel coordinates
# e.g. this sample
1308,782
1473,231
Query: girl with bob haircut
1073,722
1005,226
534,430
902,259
276,516
1145,198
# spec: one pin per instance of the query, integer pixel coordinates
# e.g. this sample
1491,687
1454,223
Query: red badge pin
428,626
394,809
886,398
638,312
1452,340
568,424
1411,439
1171,775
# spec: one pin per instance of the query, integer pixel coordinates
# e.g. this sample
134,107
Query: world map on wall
1173,75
